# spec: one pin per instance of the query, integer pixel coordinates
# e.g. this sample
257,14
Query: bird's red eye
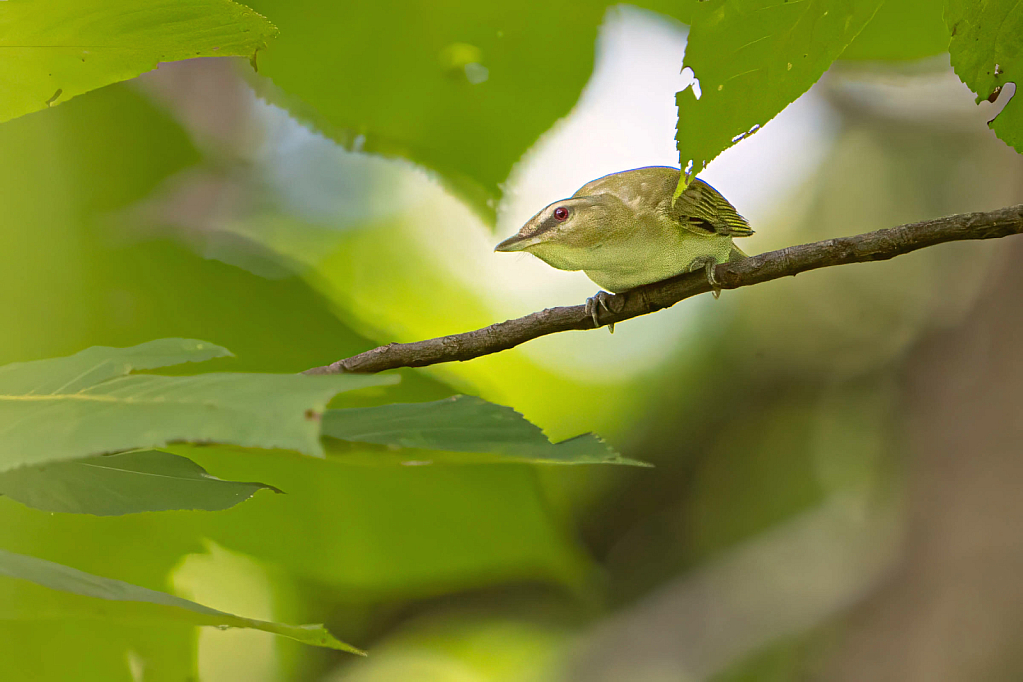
561,213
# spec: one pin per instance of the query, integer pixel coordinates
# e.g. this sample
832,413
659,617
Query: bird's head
566,232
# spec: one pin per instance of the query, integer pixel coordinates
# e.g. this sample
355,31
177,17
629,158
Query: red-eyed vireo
624,230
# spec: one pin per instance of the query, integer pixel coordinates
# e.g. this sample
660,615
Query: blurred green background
836,491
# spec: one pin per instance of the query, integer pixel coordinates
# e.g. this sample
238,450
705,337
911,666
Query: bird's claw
595,303
708,264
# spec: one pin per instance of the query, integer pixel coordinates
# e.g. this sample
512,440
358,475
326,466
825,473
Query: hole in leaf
1002,100
695,85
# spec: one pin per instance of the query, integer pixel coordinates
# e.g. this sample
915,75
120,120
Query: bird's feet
595,303
708,264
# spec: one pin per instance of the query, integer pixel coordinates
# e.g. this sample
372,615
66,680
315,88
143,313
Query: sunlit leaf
90,403
752,59
466,424
987,53
54,50
148,603
125,483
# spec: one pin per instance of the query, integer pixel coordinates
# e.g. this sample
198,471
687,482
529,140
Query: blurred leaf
757,474
62,167
126,483
445,647
460,86
57,49
901,29
363,533
753,58
137,548
96,651
69,281
987,53
394,532
66,579
781,661
391,532
466,424
73,274
88,403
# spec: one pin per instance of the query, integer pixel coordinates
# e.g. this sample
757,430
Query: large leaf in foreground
753,58
987,53
89,403
461,86
466,424
146,603
125,483
54,50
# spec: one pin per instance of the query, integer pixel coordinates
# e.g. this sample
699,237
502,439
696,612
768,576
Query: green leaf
89,403
466,424
126,483
162,605
987,53
92,651
901,29
56,49
68,282
383,532
462,87
753,58
98,364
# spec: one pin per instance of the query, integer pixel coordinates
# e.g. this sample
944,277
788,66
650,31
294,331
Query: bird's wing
701,209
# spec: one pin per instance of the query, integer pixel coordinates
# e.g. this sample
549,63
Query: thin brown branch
879,245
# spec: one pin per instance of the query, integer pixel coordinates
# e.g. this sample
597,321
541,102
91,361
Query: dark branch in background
879,245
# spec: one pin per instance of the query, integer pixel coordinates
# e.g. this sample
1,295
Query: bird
626,229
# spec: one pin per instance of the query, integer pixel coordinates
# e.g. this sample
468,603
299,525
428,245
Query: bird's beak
516,242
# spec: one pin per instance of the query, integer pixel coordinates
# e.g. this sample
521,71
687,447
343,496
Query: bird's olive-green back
700,209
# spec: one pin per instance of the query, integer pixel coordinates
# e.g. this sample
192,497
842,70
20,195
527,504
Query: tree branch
873,246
